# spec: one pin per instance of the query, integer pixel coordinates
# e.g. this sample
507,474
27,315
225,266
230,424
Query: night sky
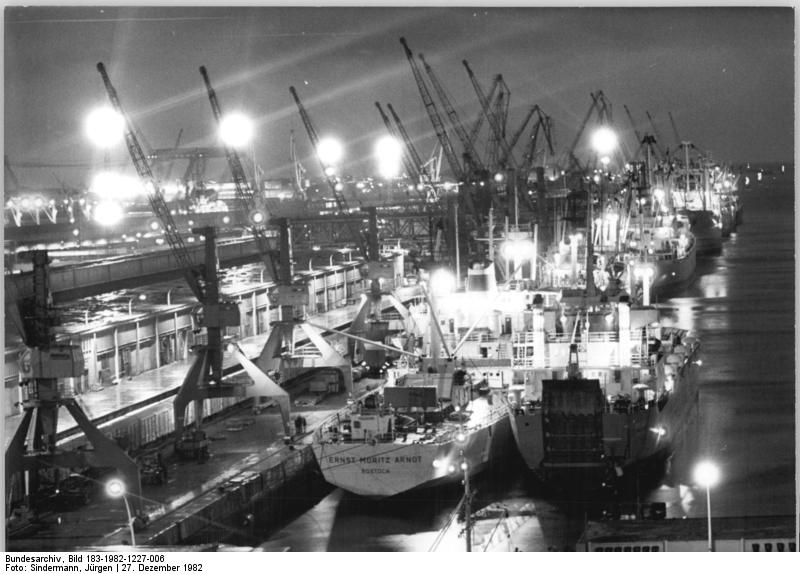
726,74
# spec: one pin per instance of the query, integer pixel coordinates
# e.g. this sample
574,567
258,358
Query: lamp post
706,474
169,292
115,488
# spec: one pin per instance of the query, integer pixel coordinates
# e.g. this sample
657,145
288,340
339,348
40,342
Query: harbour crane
476,127
661,153
42,364
298,171
256,211
341,202
335,186
204,378
471,158
410,167
518,133
416,160
460,173
433,115
602,107
544,123
495,120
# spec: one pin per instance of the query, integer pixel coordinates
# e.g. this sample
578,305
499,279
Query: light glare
604,140
104,127
236,130
329,151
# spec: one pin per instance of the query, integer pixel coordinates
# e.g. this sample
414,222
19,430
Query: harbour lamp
115,488
706,474
104,127
236,130
604,140
388,154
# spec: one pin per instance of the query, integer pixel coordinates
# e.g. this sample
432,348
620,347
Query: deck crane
204,378
256,211
411,168
43,363
471,158
433,114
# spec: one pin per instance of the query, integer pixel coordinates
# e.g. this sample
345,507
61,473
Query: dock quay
252,469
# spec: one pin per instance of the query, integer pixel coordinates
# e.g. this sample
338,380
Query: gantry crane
43,363
204,378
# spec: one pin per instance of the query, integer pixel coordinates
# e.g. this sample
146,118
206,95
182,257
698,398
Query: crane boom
409,145
674,128
521,128
312,135
243,190
655,133
482,116
633,124
154,194
408,162
433,114
470,154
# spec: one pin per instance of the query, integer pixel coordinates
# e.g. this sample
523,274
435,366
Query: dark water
741,305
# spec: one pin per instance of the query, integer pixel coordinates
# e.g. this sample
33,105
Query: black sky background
725,73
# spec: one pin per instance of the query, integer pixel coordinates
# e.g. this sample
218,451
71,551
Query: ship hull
385,469
675,271
707,234
628,438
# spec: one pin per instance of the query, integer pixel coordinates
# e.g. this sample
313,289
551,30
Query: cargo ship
424,430
611,388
